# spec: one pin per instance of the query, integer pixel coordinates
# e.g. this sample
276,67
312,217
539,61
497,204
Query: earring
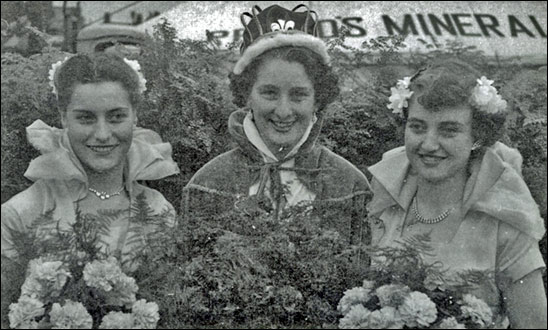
476,145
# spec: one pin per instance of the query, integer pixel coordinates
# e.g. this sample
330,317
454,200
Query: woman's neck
436,197
109,181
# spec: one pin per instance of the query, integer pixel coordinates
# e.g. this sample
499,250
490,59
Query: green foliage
251,272
26,96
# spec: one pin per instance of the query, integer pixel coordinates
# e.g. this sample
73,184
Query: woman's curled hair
95,68
450,83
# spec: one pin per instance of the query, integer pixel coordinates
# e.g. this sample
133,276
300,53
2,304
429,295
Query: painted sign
505,29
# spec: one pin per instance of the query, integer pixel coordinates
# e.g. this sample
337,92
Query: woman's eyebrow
301,89
118,109
451,124
415,120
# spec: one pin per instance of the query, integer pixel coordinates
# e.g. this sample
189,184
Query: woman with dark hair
454,181
92,165
283,82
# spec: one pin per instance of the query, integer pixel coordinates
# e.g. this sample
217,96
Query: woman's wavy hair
450,83
325,82
95,68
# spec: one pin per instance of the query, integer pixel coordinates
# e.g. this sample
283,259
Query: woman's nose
430,142
103,131
283,108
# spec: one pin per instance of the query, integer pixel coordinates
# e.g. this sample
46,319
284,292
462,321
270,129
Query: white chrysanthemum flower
46,279
22,315
486,97
356,318
417,310
73,315
117,320
476,309
385,318
354,296
392,294
137,68
51,74
123,292
101,274
451,323
404,83
145,314
400,95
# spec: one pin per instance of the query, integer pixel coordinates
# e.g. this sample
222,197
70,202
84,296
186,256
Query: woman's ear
63,115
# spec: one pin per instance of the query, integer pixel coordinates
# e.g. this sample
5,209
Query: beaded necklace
429,221
104,195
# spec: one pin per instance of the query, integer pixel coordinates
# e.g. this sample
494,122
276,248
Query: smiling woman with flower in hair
91,166
455,181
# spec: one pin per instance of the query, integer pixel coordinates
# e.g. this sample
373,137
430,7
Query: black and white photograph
274,164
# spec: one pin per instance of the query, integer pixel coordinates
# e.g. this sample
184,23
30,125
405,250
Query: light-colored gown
500,230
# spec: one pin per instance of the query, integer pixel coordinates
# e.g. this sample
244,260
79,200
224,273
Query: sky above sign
499,28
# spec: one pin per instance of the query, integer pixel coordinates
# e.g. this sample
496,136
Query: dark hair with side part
325,82
95,68
450,83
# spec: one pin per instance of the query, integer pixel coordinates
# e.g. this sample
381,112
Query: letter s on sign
348,21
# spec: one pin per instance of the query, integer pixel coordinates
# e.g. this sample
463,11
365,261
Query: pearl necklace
104,195
430,221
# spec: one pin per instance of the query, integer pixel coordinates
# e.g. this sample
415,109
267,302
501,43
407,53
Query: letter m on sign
408,24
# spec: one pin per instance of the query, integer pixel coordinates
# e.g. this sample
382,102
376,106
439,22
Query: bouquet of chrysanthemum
404,291
393,306
49,292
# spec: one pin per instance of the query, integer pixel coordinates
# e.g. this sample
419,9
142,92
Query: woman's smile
282,126
102,149
431,160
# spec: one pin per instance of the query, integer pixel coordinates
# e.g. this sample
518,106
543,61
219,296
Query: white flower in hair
137,68
400,95
52,72
486,97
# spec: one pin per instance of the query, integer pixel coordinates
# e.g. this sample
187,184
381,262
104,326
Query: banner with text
505,29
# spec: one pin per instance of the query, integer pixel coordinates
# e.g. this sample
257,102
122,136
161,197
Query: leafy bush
251,272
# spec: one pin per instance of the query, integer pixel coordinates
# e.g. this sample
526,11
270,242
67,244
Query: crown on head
276,27
277,19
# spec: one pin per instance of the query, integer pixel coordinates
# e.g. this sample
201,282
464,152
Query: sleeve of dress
518,254
12,272
11,223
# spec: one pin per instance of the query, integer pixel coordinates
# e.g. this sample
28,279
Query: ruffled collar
495,187
148,157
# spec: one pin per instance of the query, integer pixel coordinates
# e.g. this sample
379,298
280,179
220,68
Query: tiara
132,64
484,96
276,27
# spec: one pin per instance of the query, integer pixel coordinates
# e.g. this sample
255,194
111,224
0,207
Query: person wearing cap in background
283,84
